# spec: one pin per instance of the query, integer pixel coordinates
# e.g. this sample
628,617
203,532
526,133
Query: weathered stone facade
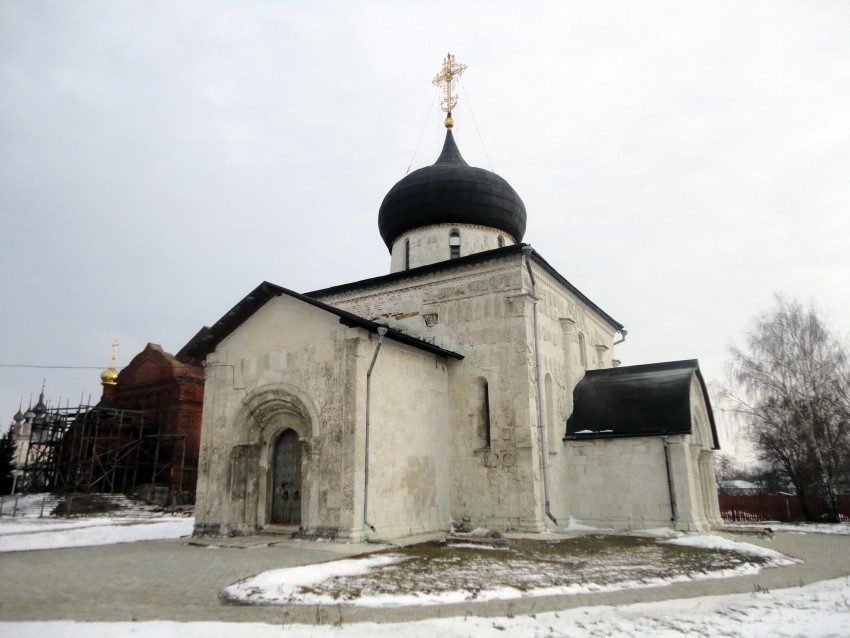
437,395
451,439
293,366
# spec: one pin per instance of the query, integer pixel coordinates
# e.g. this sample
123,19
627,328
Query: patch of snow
280,586
480,546
661,532
40,506
574,526
716,542
59,533
800,528
27,525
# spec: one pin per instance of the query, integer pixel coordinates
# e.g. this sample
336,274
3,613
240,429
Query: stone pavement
175,580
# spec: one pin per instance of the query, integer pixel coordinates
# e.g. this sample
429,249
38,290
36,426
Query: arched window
407,254
582,350
454,244
501,241
482,411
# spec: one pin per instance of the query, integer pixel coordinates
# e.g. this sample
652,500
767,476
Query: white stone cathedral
472,386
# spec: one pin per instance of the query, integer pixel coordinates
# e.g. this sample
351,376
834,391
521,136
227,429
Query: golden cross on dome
447,81
114,352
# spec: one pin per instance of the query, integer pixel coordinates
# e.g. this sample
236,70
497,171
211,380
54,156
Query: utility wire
24,365
474,121
424,126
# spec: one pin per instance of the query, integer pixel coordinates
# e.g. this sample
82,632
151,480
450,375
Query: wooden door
286,494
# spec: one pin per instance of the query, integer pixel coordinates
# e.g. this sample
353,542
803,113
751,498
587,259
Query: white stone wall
430,244
485,312
622,482
289,365
693,469
693,511
409,464
567,326
618,483
495,485
470,310
706,506
449,439
292,365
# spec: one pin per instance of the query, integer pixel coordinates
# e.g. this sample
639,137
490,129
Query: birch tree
791,385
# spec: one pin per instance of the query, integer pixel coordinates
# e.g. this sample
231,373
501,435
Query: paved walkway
173,580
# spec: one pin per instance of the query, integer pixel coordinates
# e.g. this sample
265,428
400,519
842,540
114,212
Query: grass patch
592,561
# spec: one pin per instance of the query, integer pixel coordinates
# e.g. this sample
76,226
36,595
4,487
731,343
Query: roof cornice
208,339
454,264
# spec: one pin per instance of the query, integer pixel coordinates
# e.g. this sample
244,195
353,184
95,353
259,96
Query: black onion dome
451,192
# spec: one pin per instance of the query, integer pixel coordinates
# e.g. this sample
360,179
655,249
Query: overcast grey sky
680,161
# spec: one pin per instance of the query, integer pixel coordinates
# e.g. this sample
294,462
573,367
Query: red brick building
170,393
145,433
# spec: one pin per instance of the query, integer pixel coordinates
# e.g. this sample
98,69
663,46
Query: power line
25,365
474,121
419,141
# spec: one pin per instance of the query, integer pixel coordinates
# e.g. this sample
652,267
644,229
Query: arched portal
281,426
286,479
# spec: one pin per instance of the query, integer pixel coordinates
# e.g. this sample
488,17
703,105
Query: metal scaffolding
46,432
100,449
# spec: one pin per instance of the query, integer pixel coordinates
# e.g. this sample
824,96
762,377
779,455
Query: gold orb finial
450,122
110,375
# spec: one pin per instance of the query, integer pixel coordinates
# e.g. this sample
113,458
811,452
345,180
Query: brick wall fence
743,509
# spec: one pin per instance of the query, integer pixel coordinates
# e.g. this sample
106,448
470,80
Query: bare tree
7,462
791,384
725,469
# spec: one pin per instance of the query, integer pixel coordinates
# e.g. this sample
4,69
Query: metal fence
778,507
32,506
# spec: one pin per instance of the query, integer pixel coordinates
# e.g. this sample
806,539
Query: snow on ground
17,535
818,610
39,506
801,528
297,584
275,588
716,542
575,526
661,532
281,585
814,611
